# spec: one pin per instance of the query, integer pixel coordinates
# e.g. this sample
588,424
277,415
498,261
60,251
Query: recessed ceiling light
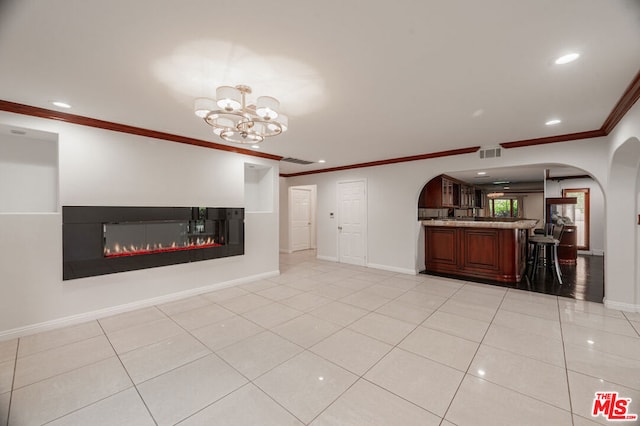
501,182
255,146
60,104
565,59
507,187
481,173
322,161
553,122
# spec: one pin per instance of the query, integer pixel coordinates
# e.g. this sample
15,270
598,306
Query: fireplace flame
133,250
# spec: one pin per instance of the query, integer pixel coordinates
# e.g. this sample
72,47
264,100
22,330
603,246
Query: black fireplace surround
105,240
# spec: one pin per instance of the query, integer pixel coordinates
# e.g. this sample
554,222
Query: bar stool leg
534,263
556,264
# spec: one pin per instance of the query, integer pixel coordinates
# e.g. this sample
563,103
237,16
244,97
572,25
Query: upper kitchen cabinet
441,191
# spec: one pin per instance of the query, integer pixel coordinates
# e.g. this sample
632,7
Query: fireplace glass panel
137,238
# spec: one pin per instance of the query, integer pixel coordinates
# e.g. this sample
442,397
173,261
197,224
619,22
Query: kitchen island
493,250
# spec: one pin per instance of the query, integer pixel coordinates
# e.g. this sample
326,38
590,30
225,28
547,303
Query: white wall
284,215
395,238
99,167
596,209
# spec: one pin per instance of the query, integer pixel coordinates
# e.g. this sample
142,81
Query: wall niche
28,170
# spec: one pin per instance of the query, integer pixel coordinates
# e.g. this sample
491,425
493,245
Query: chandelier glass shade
235,121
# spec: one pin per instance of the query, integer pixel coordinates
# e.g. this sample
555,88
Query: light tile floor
330,344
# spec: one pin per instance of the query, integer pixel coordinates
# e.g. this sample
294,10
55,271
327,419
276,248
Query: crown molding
389,161
553,139
627,100
124,128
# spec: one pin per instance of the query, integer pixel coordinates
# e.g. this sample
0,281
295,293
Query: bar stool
545,242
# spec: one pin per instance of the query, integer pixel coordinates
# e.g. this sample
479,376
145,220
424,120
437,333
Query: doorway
352,222
302,217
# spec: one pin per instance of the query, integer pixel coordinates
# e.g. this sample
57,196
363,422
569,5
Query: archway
525,185
622,286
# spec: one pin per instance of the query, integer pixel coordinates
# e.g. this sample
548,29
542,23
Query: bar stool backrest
548,229
557,231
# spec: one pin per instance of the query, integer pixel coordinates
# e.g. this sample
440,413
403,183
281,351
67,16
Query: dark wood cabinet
487,253
445,192
568,248
441,191
467,197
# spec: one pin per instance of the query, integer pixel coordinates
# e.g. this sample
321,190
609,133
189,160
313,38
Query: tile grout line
631,324
466,373
566,367
361,376
64,372
519,392
128,375
13,380
64,344
327,360
88,405
213,352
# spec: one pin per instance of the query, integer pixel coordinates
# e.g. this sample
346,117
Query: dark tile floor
582,281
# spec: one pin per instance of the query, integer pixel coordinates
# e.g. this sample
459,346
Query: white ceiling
517,179
361,80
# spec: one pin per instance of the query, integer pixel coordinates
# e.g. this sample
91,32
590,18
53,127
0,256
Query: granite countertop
518,224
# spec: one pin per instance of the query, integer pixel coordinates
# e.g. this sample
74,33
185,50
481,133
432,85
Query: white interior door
300,217
352,222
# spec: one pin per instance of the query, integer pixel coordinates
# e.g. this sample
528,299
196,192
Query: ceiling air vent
296,161
493,152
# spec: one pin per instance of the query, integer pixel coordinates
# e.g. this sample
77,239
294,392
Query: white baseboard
621,306
391,269
101,313
286,251
327,258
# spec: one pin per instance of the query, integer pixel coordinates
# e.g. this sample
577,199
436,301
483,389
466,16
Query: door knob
340,228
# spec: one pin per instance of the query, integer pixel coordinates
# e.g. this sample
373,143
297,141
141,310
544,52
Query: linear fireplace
104,240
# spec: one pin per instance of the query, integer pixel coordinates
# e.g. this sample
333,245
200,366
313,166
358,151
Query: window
503,207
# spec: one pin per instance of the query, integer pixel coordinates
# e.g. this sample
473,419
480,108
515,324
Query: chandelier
235,121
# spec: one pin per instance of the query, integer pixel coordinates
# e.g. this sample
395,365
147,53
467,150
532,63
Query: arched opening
520,193
622,233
